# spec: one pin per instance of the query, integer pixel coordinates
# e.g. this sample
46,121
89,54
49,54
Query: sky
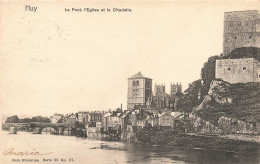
53,61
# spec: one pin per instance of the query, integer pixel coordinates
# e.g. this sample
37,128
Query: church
140,94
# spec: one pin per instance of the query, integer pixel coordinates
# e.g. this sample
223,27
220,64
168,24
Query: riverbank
215,142
243,137
170,138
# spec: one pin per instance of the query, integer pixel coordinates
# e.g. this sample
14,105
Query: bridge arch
48,130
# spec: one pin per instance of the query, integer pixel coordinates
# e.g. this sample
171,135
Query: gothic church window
137,83
133,83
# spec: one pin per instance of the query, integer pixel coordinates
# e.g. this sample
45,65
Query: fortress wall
241,29
235,70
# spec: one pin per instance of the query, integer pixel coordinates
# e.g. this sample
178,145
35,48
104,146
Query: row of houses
124,124
80,117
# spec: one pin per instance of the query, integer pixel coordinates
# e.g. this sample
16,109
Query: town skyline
70,69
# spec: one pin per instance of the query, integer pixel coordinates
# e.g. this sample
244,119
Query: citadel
241,29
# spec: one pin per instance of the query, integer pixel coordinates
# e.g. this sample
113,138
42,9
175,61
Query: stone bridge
41,127
49,128
19,126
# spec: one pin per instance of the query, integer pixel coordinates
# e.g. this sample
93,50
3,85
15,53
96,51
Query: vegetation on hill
246,100
245,105
208,73
155,135
190,97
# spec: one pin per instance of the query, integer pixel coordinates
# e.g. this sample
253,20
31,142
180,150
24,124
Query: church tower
139,91
175,88
159,89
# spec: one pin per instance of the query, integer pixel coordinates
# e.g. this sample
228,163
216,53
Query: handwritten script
12,151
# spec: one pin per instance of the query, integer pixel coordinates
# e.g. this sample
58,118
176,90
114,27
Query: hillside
237,101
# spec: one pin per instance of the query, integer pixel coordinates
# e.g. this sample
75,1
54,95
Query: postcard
139,82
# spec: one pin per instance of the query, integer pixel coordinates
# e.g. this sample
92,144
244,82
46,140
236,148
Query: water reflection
95,151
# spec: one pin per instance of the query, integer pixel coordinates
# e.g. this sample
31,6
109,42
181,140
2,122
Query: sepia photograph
129,82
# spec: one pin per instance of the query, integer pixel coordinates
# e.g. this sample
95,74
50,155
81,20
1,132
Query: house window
137,83
229,69
244,68
133,83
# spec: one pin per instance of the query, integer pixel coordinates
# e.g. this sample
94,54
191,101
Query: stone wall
241,29
241,70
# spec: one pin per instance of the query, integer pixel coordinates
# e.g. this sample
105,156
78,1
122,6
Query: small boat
12,130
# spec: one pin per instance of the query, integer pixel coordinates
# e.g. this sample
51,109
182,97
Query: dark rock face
232,108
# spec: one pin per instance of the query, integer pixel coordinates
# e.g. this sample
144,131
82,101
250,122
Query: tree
59,121
208,73
40,119
25,120
190,97
12,119
145,134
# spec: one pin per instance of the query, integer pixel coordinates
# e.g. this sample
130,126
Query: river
69,149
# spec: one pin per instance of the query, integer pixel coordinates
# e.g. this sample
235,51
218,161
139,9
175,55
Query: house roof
176,114
116,114
124,115
164,114
57,115
107,114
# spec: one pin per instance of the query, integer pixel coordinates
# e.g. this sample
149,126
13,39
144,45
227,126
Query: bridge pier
13,130
37,130
68,131
60,130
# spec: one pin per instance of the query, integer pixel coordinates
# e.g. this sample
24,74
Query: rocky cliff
231,107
